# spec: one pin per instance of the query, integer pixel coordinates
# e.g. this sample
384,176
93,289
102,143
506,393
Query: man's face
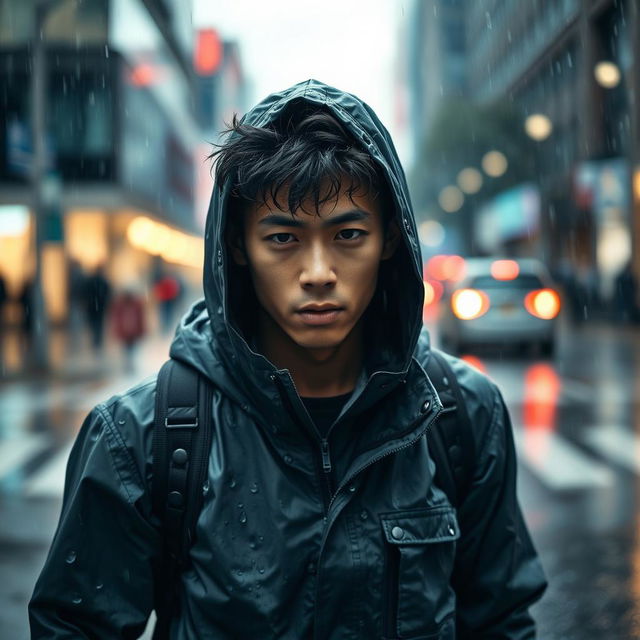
326,260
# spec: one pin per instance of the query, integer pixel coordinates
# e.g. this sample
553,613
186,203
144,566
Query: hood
211,337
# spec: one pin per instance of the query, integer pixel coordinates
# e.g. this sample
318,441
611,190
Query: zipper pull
326,458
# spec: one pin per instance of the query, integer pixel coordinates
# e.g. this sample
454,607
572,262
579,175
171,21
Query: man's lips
314,316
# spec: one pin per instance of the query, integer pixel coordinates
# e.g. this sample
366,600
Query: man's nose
318,270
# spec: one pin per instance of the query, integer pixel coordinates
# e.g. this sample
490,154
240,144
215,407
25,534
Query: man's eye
359,233
279,238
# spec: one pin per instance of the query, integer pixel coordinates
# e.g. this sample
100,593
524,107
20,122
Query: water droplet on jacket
232,483
243,517
260,538
250,588
121,421
219,311
254,488
205,488
226,523
258,586
240,505
99,586
76,599
252,545
71,557
260,569
240,573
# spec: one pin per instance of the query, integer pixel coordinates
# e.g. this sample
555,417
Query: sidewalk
72,359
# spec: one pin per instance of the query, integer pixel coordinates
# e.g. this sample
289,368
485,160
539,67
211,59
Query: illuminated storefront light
161,240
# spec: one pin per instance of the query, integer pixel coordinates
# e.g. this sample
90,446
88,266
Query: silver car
500,301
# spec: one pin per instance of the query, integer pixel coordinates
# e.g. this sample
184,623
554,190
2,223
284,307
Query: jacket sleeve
97,581
497,574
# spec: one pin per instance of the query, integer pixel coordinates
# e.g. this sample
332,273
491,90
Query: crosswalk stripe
48,481
559,464
616,443
15,452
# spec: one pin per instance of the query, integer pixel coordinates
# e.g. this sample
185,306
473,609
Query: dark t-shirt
324,411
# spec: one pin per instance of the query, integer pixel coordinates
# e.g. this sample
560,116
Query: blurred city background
518,125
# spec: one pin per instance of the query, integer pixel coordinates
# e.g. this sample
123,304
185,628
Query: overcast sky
350,44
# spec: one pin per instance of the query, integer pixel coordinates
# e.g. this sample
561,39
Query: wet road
577,425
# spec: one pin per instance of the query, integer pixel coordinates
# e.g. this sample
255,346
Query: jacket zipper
324,476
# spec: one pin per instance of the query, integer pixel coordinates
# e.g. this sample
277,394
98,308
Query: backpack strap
451,437
181,445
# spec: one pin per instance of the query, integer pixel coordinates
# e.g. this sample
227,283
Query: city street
575,424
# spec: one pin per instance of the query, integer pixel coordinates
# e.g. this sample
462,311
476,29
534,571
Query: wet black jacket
281,551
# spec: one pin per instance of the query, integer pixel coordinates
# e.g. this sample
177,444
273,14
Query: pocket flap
438,524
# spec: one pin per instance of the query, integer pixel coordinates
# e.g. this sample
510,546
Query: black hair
306,153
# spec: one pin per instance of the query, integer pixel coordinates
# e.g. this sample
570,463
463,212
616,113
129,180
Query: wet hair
306,154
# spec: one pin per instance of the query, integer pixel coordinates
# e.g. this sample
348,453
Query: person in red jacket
129,323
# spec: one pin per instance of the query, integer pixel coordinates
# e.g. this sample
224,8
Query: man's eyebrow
274,219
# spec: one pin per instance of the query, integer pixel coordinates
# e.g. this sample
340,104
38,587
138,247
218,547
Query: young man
321,518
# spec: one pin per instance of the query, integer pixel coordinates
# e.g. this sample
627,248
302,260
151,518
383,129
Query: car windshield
523,281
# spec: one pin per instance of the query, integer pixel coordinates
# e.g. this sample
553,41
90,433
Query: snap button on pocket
397,533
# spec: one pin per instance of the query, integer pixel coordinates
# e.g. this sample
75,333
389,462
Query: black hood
213,337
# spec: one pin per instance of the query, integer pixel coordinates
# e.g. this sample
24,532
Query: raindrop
261,538
71,557
106,51
253,545
240,573
240,505
99,586
254,488
258,586
260,569
243,517
220,310
120,421
76,599
205,488
488,18
232,483
249,588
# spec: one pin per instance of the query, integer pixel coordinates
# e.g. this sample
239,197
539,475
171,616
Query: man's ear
235,242
392,237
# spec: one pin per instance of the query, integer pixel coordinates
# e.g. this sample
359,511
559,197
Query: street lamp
470,180
494,163
607,74
538,126
451,199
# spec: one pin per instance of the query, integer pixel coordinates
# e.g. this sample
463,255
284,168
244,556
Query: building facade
120,133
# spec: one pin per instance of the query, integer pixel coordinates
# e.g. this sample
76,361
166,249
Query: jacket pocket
419,556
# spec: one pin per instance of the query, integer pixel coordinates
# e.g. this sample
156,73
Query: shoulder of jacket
480,393
130,416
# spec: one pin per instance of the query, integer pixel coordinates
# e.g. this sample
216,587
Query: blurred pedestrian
25,299
76,283
626,295
167,291
97,293
129,323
